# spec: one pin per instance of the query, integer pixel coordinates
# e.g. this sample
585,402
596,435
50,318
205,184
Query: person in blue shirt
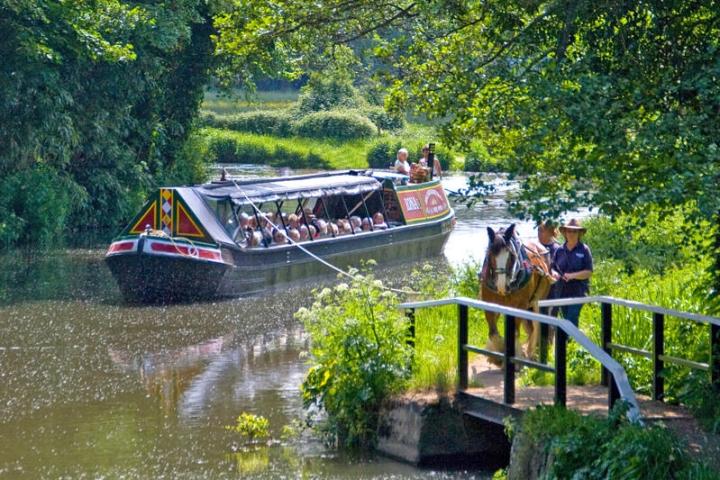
547,233
573,267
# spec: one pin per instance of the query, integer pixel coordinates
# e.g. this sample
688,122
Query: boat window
224,210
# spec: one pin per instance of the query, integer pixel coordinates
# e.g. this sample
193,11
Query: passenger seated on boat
293,221
335,231
379,221
356,222
321,226
401,164
313,231
366,224
279,237
256,239
304,233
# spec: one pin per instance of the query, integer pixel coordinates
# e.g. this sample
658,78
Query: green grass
221,104
339,155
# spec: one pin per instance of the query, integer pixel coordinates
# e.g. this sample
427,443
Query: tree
97,99
613,105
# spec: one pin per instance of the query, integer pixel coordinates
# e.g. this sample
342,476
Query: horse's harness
522,267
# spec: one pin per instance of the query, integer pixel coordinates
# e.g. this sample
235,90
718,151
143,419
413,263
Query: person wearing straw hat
573,267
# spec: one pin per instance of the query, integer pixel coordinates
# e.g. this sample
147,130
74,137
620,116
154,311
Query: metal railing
619,388
657,355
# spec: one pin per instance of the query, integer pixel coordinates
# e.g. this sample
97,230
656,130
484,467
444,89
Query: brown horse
515,275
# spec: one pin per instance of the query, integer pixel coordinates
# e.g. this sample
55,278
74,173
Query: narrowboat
237,237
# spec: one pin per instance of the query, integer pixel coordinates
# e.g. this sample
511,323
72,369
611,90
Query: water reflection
90,387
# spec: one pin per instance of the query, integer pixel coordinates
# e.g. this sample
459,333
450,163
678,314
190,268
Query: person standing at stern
573,267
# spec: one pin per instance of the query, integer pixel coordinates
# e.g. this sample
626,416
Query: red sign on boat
422,202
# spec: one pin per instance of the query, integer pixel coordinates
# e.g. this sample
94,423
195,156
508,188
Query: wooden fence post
658,350
462,342
410,315
606,338
509,366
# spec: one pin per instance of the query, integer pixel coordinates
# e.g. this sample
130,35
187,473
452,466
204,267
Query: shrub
382,154
648,240
479,160
223,149
382,119
332,87
252,427
359,357
35,205
264,122
190,167
336,125
595,448
261,122
228,147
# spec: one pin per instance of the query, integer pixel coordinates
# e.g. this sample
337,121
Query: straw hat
575,225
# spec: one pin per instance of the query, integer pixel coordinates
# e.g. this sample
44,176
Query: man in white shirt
401,164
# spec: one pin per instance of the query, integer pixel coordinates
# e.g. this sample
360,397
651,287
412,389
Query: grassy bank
271,128
227,146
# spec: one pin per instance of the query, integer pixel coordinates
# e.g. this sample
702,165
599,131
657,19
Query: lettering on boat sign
420,202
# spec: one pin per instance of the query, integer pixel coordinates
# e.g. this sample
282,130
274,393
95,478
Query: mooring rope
308,252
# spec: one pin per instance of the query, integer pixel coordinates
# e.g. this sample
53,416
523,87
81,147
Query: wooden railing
619,388
657,355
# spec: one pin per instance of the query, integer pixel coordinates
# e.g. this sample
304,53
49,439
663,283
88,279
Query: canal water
93,388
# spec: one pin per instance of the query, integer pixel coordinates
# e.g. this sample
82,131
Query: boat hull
145,275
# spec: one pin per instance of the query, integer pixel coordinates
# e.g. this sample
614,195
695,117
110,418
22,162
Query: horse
514,275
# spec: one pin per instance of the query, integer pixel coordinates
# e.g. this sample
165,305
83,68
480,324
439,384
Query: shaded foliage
593,448
96,101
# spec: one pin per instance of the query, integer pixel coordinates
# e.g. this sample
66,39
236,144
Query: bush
359,357
648,241
479,160
35,205
227,147
191,164
382,119
223,149
263,122
383,154
335,125
595,448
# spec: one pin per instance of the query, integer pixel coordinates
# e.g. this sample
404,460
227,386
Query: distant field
241,102
338,154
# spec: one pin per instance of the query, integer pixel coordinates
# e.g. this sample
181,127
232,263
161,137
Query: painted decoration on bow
148,218
185,224
166,210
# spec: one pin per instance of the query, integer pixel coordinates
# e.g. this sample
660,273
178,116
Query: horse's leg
495,341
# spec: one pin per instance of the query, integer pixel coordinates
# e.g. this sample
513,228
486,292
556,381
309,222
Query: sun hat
575,225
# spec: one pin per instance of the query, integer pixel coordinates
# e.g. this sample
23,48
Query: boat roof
348,182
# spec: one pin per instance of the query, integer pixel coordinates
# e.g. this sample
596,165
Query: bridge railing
657,355
619,387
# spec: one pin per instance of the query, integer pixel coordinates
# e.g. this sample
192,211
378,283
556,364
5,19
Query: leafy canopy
606,104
